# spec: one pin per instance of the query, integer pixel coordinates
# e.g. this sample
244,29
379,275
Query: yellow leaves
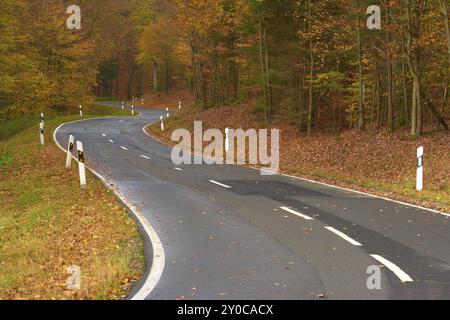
45,66
206,18
199,16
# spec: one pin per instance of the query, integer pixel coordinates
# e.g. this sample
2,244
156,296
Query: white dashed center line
145,157
298,214
112,141
220,184
395,269
123,148
104,135
178,169
344,236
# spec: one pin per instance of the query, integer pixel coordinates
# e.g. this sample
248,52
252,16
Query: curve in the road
230,233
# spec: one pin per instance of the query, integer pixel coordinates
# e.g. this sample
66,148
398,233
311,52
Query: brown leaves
372,161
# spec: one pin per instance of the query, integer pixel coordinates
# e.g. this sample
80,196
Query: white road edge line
301,215
220,184
447,215
158,261
366,194
145,157
123,148
344,236
403,276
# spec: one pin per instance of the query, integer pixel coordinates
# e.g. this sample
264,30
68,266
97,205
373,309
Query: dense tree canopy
44,64
315,63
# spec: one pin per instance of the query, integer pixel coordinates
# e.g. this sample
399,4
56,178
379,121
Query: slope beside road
229,233
47,223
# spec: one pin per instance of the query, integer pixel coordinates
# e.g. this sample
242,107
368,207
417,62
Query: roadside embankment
374,161
47,223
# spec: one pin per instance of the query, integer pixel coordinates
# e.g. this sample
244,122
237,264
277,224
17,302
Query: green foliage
23,121
5,160
330,82
260,106
17,125
106,99
143,14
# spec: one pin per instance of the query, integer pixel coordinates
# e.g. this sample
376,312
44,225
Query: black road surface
238,242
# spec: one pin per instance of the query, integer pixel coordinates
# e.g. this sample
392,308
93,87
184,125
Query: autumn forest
121,122
315,64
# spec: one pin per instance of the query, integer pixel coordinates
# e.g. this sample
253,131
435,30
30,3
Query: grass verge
48,223
20,123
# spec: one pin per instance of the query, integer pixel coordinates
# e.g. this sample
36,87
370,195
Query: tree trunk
413,55
390,109
445,99
419,107
269,86
263,64
311,76
435,112
167,75
130,79
195,80
404,80
301,98
414,110
155,76
362,123
444,10
378,101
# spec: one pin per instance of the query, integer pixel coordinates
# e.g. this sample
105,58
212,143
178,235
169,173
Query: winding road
229,233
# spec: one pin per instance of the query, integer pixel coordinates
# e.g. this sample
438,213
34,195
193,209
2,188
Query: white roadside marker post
419,184
81,166
227,140
179,105
41,130
81,111
168,114
142,101
123,105
162,123
132,110
42,118
70,152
